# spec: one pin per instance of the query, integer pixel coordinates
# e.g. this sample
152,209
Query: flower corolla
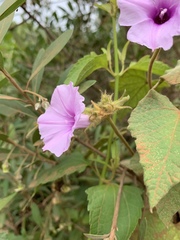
153,22
61,118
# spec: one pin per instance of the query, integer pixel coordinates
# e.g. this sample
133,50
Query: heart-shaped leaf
155,123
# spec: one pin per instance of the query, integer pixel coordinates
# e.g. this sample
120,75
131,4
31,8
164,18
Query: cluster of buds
43,102
105,108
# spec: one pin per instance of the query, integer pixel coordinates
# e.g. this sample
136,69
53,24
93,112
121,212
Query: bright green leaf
4,201
68,165
169,205
51,52
159,68
172,76
106,7
155,123
8,7
101,205
85,66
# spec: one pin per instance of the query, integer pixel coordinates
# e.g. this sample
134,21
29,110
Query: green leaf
68,165
156,230
169,205
4,25
85,66
101,205
19,107
159,68
36,81
172,76
36,215
51,52
8,7
4,201
86,85
155,123
106,7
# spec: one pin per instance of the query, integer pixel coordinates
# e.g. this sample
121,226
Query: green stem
116,88
120,136
116,61
152,60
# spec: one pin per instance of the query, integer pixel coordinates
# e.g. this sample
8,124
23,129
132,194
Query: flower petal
58,143
66,100
134,11
152,35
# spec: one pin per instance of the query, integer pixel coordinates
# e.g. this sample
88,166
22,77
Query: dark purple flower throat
162,16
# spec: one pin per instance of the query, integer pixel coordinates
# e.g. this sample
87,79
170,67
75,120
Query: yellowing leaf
172,76
155,123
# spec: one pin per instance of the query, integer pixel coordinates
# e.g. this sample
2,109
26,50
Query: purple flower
62,117
153,22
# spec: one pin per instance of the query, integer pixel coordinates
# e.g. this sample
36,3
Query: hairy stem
152,60
116,210
120,136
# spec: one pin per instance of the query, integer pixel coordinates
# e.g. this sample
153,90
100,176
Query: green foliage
68,165
85,66
101,205
76,196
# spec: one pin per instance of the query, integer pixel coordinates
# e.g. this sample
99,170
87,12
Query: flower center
162,17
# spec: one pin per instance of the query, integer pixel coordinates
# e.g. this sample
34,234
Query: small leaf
51,52
36,215
8,7
4,201
85,66
86,85
172,76
68,165
106,7
155,123
169,205
101,207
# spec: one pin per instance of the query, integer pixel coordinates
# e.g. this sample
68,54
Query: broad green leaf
134,82
156,230
172,76
159,68
101,205
68,165
155,123
4,201
86,85
19,107
4,26
85,66
169,205
51,52
36,81
8,7
36,215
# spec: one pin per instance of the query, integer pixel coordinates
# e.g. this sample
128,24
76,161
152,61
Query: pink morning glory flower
153,22
62,117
